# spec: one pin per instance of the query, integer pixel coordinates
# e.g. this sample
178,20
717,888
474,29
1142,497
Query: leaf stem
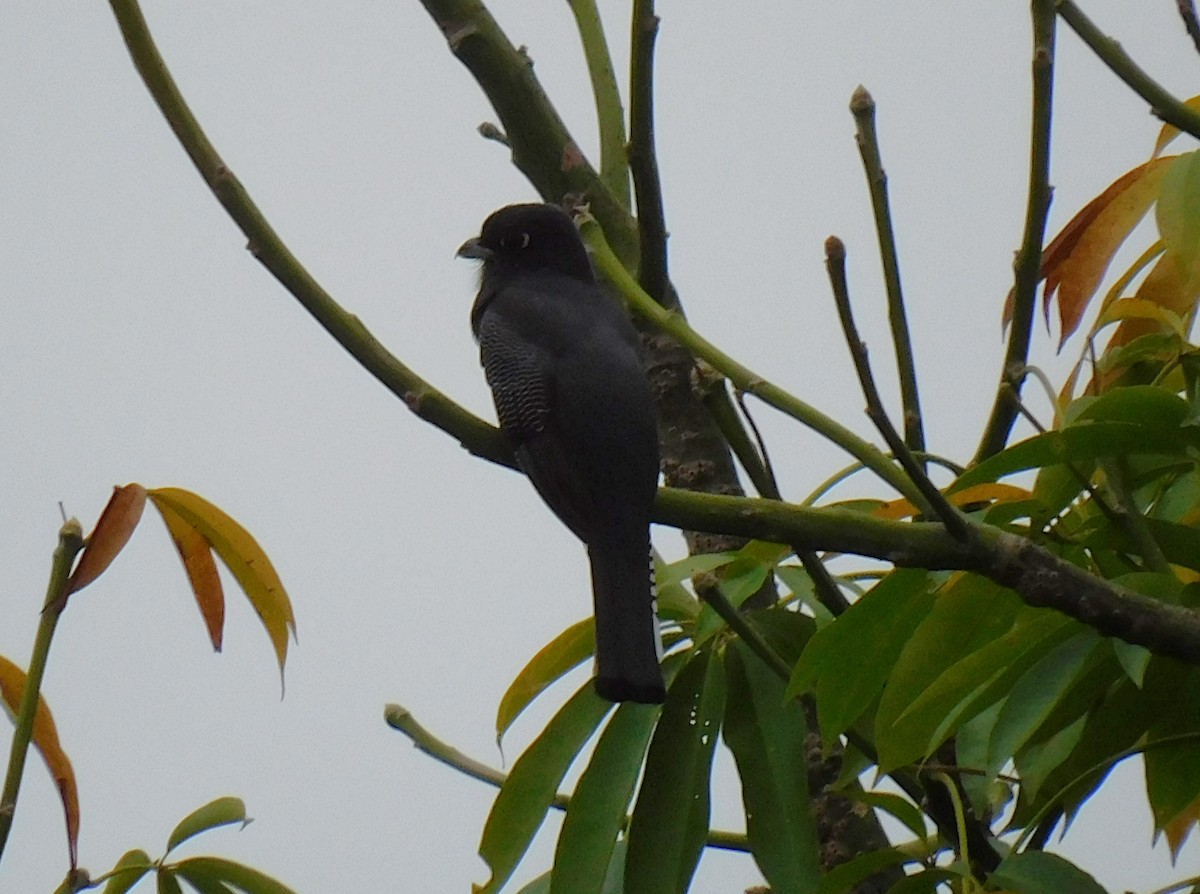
862,106
1027,267
70,542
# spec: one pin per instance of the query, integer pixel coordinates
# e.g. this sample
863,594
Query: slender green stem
1027,268
70,542
401,719
932,501
427,402
1162,103
610,116
862,106
742,377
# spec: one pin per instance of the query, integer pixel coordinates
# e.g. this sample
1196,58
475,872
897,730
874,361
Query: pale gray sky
139,341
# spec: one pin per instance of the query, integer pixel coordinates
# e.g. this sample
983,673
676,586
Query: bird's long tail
627,640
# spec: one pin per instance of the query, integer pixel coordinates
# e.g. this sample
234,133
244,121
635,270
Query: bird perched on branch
562,361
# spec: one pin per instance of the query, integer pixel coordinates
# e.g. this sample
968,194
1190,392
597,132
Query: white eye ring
524,240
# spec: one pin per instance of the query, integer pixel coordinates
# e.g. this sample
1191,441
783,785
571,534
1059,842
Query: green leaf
520,807
209,884
670,820
1173,770
899,807
128,871
166,882
216,870
587,843
926,882
221,812
1038,872
540,885
562,654
767,737
844,877
1076,444
975,642
1133,659
1177,212
1035,695
846,677
1149,406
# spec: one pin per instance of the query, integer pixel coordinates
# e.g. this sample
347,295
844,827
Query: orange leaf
45,740
112,532
976,493
1075,261
242,555
1170,131
201,571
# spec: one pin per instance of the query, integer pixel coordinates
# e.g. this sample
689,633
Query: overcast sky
140,342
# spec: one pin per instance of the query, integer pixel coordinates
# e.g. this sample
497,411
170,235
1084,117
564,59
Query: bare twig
401,719
933,501
1027,267
863,108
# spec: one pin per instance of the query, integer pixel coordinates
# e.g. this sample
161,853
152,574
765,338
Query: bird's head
527,238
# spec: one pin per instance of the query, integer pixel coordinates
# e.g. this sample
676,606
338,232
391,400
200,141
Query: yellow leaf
201,571
112,532
1170,286
45,740
244,558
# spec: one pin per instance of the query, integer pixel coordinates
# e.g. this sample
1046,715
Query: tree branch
427,402
676,326
542,147
1162,104
1028,264
1039,577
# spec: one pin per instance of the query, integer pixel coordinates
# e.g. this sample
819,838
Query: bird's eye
524,240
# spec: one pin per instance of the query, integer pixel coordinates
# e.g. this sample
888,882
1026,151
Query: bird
562,361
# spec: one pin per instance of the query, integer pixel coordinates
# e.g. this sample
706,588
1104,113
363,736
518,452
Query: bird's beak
474,249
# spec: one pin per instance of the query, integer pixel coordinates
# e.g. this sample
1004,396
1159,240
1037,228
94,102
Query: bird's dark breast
573,401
